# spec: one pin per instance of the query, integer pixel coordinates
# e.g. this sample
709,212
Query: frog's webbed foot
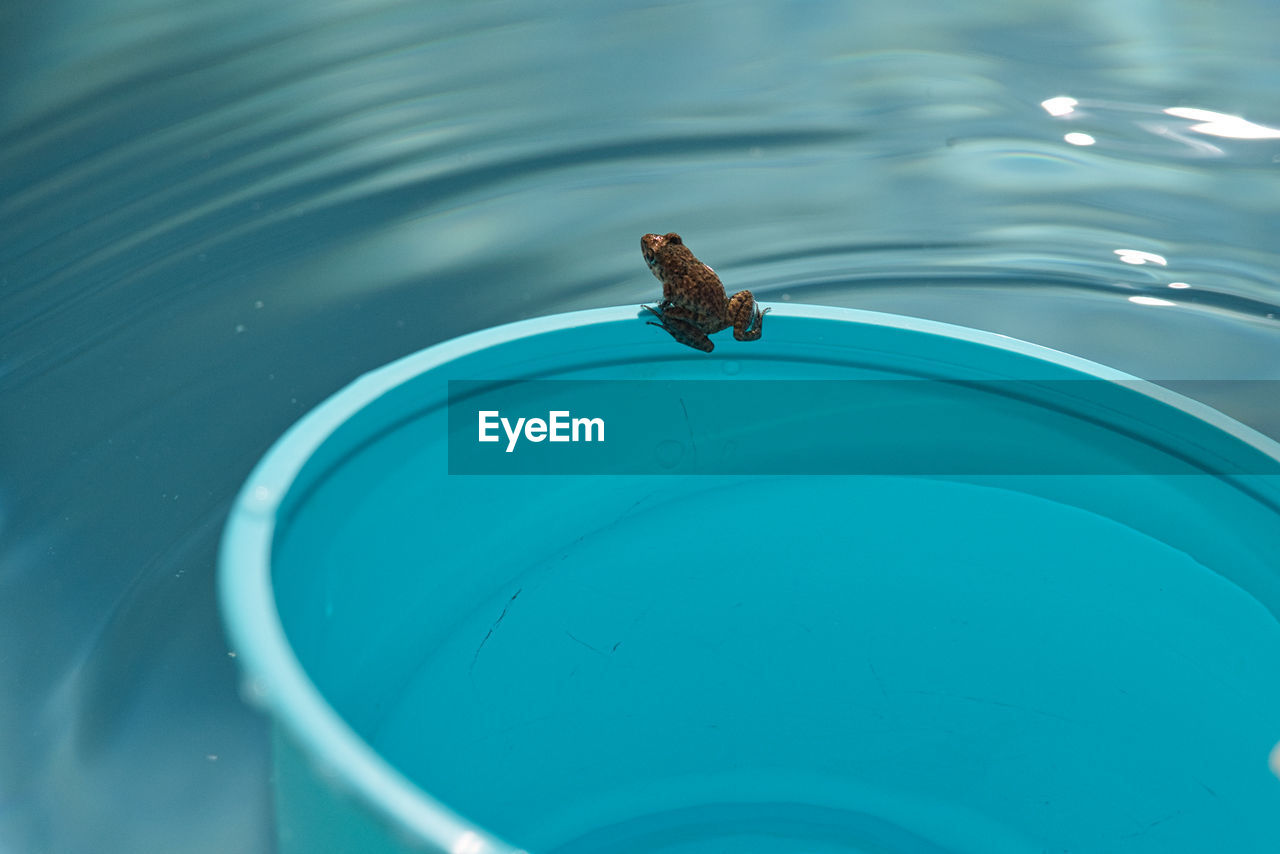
681,330
747,319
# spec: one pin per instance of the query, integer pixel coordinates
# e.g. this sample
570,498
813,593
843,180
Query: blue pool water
213,216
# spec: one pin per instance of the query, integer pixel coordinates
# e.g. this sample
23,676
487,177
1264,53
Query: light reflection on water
215,216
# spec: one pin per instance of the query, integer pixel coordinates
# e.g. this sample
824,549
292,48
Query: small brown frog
694,304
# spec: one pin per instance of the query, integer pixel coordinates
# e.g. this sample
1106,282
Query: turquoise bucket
948,645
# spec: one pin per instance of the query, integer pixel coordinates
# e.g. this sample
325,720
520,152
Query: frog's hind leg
747,319
679,329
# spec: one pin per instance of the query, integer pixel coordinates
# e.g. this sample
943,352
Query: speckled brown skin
694,304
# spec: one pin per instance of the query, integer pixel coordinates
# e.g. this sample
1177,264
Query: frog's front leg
679,328
747,320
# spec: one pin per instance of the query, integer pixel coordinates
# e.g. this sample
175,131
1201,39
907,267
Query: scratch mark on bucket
493,628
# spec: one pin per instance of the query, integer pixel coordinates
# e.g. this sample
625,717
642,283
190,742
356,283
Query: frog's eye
673,238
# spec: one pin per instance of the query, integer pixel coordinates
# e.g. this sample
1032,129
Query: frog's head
651,244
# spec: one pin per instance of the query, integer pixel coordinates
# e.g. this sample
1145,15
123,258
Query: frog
694,302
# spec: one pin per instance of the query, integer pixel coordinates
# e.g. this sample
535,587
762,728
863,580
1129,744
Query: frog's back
688,282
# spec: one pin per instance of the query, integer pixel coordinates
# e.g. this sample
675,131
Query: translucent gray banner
843,427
